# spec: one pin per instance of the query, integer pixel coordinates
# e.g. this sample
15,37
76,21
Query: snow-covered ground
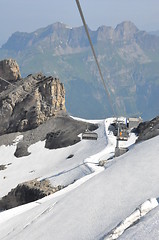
95,203
51,164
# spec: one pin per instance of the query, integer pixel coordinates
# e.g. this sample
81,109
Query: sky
29,15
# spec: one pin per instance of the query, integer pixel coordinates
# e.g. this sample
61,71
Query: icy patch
133,218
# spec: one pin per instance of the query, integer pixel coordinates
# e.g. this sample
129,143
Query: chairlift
88,135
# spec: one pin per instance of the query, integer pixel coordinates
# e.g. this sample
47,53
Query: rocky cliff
35,106
28,102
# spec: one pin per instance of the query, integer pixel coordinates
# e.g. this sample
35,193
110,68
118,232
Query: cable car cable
95,57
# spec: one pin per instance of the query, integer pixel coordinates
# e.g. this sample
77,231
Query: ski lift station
124,127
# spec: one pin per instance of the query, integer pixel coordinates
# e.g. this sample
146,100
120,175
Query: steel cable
95,57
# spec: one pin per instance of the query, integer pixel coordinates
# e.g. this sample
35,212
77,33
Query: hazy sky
29,15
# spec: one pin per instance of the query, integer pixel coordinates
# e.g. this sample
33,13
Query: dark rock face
21,150
2,167
67,133
147,130
27,192
64,131
30,102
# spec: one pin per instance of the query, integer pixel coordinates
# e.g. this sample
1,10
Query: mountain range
128,57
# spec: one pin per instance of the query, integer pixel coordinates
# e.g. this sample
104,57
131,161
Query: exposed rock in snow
66,132
68,128
2,167
27,192
149,129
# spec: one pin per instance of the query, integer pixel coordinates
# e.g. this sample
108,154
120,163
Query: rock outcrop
147,130
58,131
34,108
29,102
27,192
66,132
9,70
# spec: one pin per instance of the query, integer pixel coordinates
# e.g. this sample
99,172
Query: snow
51,164
95,203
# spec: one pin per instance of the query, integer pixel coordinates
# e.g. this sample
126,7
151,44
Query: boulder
27,192
9,70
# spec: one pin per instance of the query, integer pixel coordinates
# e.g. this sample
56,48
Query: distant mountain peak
59,25
129,59
126,30
127,25
55,27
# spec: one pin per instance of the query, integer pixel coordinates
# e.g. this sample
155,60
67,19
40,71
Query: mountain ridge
128,58
123,31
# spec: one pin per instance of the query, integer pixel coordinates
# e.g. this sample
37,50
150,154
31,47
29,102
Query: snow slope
52,164
94,204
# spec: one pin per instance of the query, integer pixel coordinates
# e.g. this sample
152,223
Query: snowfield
96,198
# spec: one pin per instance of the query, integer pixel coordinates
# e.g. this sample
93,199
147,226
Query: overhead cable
94,54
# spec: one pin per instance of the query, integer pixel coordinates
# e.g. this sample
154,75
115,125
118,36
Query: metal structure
134,122
122,135
88,135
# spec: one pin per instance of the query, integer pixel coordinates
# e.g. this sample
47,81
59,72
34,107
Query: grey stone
29,102
147,130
